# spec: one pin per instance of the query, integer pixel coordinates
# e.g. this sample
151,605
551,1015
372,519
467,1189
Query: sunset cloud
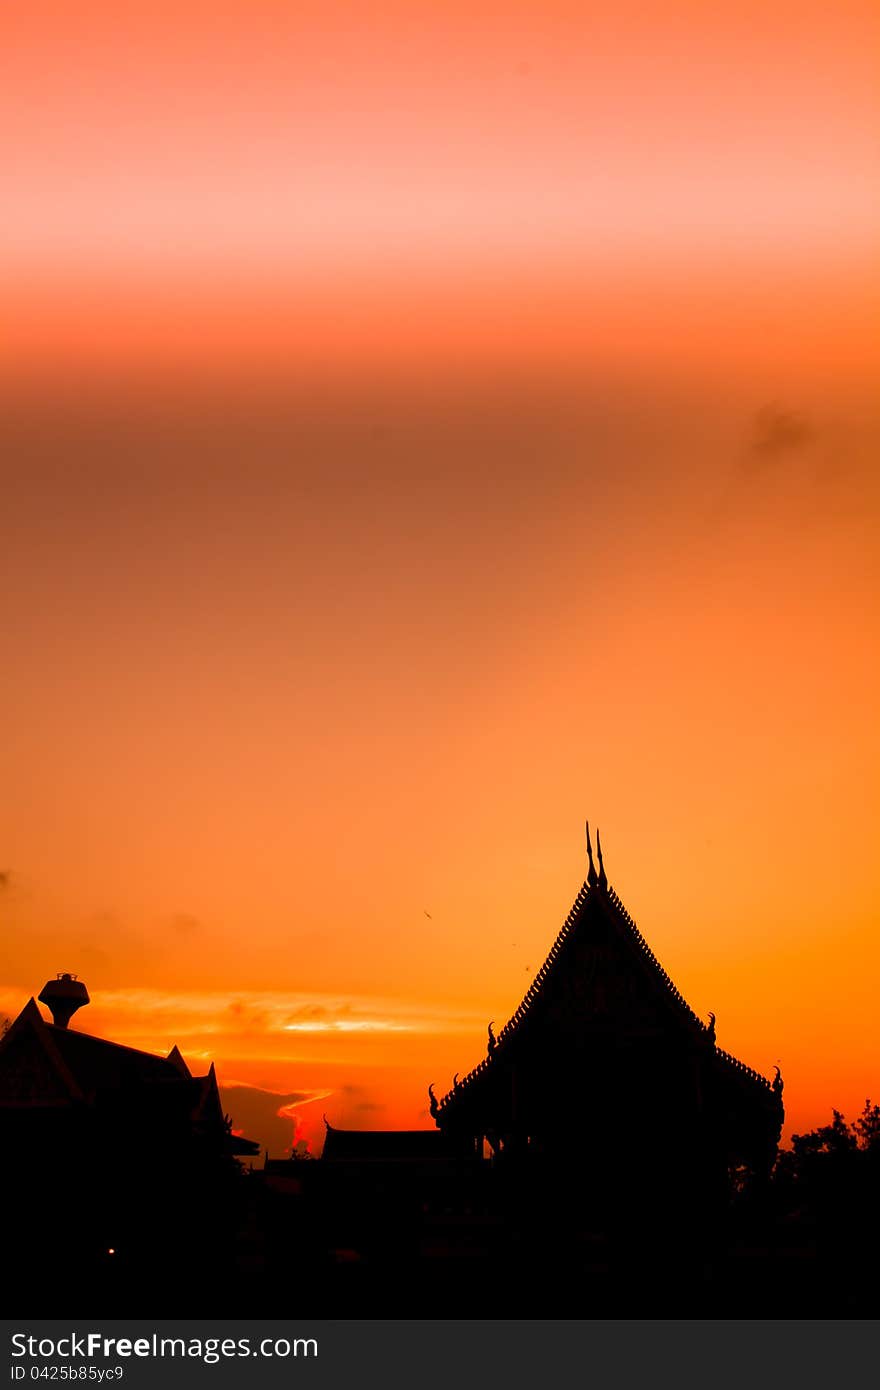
271,1118
136,1014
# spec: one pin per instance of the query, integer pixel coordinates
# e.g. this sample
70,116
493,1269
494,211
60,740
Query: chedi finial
603,877
592,876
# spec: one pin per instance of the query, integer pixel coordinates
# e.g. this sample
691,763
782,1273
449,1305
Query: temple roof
388,1145
600,978
47,1065
99,1064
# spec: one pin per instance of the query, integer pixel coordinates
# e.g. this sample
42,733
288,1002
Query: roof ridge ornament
603,877
592,876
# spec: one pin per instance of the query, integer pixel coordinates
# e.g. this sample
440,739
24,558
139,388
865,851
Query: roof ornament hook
603,877
592,876
434,1104
778,1083
493,1041
711,1028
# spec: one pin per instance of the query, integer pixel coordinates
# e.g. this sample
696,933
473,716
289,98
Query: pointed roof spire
603,877
592,876
175,1057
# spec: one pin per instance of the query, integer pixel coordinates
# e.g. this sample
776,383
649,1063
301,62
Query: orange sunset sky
421,427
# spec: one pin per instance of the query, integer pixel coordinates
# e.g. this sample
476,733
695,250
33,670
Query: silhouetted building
393,1146
56,1080
109,1156
587,1162
607,1088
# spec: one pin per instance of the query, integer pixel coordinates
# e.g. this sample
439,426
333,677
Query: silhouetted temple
604,1072
114,1162
61,1085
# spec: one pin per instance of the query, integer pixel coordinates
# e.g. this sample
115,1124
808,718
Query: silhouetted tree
867,1126
827,1191
836,1148
834,1139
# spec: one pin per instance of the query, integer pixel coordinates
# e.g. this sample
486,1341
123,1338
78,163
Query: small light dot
111,1251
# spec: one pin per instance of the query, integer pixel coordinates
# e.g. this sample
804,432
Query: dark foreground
302,1238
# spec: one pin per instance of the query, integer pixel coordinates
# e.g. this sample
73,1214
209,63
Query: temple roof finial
603,877
592,876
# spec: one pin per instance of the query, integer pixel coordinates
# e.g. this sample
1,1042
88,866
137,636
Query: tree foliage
833,1167
838,1138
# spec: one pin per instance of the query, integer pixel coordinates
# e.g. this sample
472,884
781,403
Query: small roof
239,1147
